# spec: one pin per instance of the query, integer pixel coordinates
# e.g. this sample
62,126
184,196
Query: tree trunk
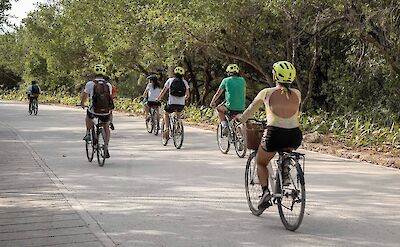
195,88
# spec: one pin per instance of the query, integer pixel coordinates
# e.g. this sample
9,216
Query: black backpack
177,88
35,89
102,101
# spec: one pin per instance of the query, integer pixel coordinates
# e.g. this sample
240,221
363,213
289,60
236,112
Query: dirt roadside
328,145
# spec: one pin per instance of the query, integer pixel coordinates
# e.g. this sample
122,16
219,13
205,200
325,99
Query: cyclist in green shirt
234,87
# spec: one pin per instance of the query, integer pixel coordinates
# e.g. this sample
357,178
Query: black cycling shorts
173,108
104,119
277,139
153,103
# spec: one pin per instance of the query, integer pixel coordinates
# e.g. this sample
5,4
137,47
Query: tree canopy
347,53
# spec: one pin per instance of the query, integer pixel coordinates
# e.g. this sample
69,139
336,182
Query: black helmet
33,82
152,77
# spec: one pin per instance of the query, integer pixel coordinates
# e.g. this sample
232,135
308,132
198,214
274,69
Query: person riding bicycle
150,95
234,88
178,89
99,92
33,92
282,106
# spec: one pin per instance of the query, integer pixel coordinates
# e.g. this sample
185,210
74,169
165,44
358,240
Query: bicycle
153,123
33,107
235,136
176,131
97,142
286,179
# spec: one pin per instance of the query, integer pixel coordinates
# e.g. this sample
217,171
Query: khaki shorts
222,108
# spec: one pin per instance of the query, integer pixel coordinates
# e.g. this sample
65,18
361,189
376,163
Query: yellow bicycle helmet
179,71
232,68
285,72
100,69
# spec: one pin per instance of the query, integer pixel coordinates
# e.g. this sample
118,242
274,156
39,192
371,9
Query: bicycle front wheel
252,185
293,201
156,122
164,138
223,140
240,144
149,123
101,158
178,134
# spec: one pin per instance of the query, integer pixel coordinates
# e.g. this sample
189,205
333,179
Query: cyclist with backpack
234,87
99,93
33,92
178,92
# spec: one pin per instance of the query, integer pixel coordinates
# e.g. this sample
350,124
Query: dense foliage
347,53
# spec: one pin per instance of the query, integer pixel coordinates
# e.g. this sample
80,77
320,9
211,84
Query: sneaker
225,131
106,153
112,126
87,137
265,200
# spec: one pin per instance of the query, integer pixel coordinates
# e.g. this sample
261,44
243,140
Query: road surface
151,195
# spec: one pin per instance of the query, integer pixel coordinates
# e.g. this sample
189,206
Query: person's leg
107,134
30,101
146,110
89,124
263,158
111,121
166,120
221,109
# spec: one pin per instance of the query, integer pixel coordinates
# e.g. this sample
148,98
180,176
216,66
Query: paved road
150,195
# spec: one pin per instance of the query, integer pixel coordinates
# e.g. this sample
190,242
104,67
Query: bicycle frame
272,180
272,173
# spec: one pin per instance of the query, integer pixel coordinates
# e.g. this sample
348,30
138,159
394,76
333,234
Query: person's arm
216,96
146,92
253,107
84,97
187,92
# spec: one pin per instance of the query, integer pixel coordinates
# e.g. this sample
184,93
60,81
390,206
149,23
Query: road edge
92,224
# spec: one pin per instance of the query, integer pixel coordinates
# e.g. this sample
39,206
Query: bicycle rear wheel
100,147
164,140
252,185
240,144
178,133
223,141
292,203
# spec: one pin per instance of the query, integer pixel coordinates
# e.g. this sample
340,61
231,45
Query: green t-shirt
234,88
